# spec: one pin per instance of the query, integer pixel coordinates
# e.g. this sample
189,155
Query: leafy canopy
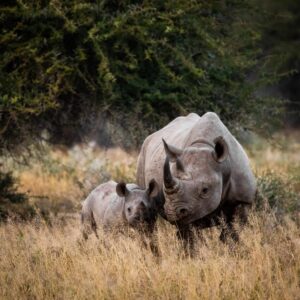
65,66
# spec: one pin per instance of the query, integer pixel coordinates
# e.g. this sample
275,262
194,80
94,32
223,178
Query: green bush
277,193
281,42
124,68
13,203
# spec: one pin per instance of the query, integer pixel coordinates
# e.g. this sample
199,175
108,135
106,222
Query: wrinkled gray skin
202,172
115,206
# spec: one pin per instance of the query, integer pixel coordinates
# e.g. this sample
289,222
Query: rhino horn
172,152
169,181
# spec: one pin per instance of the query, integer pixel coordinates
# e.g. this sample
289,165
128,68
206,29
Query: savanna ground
46,258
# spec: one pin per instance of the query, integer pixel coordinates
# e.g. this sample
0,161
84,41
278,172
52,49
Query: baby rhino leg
88,225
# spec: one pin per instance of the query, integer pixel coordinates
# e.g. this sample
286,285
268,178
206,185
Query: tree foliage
65,66
13,203
282,41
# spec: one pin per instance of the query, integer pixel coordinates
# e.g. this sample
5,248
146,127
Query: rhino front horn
169,181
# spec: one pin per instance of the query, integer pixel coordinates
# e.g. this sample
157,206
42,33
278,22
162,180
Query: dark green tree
281,42
126,67
13,203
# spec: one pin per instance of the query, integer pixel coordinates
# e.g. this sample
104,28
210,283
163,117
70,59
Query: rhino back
113,216
99,200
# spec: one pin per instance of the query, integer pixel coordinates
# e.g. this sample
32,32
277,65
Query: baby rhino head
139,205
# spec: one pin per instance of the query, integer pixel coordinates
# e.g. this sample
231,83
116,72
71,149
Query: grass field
39,261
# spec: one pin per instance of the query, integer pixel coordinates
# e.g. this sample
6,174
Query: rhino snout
176,214
182,212
138,218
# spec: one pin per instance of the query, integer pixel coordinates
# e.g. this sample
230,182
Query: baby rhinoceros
117,205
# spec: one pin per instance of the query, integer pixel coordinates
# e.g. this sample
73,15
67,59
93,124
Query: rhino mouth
183,221
173,217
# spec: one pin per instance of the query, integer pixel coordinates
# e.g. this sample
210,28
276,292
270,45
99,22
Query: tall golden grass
38,261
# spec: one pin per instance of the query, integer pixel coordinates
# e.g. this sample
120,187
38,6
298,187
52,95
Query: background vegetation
78,74
281,40
74,68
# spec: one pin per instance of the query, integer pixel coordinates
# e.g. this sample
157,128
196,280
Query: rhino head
139,205
194,185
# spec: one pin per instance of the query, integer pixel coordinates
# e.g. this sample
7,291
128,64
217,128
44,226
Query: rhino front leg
234,214
186,235
149,239
153,243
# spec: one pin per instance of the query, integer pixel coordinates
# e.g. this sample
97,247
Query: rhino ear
221,149
171,151
152,190
122,190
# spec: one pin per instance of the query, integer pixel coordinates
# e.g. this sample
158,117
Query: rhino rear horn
220,152
172,152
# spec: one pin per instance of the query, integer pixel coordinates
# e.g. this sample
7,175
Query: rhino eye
205,191
129,209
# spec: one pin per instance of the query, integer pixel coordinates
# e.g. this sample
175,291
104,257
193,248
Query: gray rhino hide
103,207
239,185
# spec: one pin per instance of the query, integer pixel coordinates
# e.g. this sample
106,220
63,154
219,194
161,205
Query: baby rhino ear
122,190
152,190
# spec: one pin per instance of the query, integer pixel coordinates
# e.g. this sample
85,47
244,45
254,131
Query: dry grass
42,262
281,154
50,263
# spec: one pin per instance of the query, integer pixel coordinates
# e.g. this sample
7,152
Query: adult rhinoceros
209,176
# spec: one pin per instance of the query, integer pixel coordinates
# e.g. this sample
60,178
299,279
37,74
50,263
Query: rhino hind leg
85,228
88,225
94,225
